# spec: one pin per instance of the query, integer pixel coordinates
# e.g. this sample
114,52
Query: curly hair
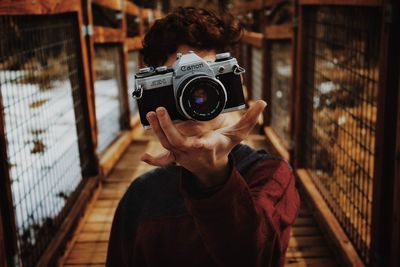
195,27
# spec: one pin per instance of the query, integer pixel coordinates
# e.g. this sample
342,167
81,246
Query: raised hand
206,155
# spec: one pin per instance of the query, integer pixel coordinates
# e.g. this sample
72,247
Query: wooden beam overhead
342,2
112,4
107,35
43,7
131,8
144,12
253,38
135,43
245,7
279,32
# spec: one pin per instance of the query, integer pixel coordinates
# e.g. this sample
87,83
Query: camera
191,89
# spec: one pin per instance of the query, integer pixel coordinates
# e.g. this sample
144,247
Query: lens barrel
201,98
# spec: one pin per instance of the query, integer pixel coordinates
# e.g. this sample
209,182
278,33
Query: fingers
168,135
160,160
155,125
243,127
252,114
174,137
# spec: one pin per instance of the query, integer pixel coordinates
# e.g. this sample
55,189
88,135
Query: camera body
190,89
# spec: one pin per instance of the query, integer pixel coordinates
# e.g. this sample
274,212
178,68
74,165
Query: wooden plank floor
88,247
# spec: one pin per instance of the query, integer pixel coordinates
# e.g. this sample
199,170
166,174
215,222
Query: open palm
206,156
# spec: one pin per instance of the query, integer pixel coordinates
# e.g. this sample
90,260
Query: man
212,201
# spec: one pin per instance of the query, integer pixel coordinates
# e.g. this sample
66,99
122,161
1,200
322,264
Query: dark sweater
165,219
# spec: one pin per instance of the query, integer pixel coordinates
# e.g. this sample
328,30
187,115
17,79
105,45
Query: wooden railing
45,55
338,142
279,90
289,90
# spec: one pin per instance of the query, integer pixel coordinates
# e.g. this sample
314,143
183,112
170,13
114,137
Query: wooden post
8,244
106,35
3,257
384,207
272,33
87,23
249,71
125,123
267,82
126,114
372,3
251,39
87,97
299,94
395,247
293,83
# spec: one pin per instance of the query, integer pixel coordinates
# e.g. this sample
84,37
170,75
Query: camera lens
202,98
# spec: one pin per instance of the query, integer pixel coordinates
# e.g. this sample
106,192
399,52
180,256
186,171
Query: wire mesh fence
257,68
341,83
133,68
281,96
108,88
40,90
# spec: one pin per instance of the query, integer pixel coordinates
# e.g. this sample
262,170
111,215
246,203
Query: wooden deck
88,247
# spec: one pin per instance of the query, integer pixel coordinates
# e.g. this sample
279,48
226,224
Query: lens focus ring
202,98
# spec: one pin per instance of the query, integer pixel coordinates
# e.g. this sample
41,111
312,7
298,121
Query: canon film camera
190,89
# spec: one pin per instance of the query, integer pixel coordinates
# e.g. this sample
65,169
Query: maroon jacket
165,219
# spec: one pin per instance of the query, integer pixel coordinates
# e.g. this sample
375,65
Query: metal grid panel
108,90
341,71
39,87
257,55
281,93
133,68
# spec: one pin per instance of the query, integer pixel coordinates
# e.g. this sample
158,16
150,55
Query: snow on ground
42,148
108,112
284,70
327,87
42,143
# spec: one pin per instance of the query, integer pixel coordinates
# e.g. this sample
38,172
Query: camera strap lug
238,70
137,93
